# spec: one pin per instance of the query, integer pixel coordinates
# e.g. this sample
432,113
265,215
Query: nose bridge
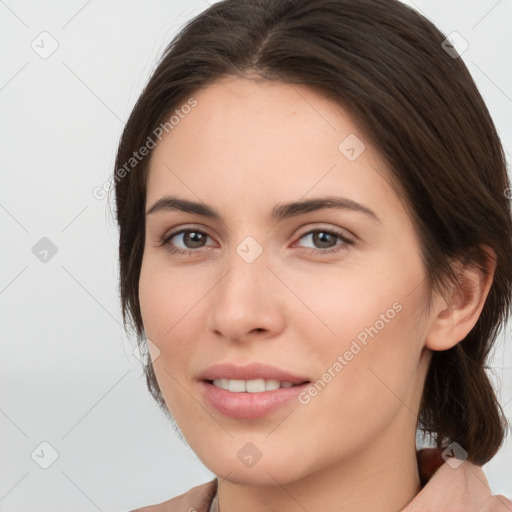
245,297
247,262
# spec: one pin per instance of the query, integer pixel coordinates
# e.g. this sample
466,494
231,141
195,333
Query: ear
452,319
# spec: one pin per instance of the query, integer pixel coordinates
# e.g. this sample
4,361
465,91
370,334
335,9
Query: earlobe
453,316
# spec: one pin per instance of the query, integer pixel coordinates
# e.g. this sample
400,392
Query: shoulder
196,499
455,485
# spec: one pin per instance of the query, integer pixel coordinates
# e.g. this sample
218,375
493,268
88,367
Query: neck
384,475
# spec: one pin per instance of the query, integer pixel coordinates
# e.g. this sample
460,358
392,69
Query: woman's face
331,299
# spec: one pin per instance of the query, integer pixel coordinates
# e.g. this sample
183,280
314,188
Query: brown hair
419,106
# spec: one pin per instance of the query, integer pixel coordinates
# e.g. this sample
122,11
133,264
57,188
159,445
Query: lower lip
248,405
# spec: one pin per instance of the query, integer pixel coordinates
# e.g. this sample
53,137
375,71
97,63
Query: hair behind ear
459,401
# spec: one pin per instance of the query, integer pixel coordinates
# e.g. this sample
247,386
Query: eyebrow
279,212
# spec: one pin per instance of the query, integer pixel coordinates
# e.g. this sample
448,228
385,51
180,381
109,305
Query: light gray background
67,373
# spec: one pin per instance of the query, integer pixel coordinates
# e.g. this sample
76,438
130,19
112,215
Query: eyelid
344,233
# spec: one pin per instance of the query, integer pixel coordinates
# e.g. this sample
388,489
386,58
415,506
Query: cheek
348,304
165,300
374,345
164,303
173,308
380,351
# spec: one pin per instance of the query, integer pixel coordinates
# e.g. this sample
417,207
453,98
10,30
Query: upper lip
249,372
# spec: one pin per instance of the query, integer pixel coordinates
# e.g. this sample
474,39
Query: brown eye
193,239
326,240
185,241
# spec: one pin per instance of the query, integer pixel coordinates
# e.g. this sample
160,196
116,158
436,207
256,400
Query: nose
248,301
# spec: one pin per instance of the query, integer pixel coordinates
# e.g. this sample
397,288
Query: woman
315,241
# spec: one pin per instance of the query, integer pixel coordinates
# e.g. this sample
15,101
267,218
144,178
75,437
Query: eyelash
188,252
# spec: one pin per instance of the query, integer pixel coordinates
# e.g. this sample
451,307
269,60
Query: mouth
251,391
240,403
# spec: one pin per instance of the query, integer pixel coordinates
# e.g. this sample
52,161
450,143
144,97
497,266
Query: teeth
251,386
271,384
237,386
254,386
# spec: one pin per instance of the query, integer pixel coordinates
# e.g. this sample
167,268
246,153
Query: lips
250,391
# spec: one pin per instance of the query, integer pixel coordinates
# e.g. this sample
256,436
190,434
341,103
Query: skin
244,148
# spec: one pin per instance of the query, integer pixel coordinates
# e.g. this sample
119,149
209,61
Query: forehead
246,141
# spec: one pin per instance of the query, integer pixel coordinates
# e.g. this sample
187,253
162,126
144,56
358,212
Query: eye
189,239
327,240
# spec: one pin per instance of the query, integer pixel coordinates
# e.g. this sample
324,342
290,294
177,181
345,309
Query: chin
261,477
271,472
